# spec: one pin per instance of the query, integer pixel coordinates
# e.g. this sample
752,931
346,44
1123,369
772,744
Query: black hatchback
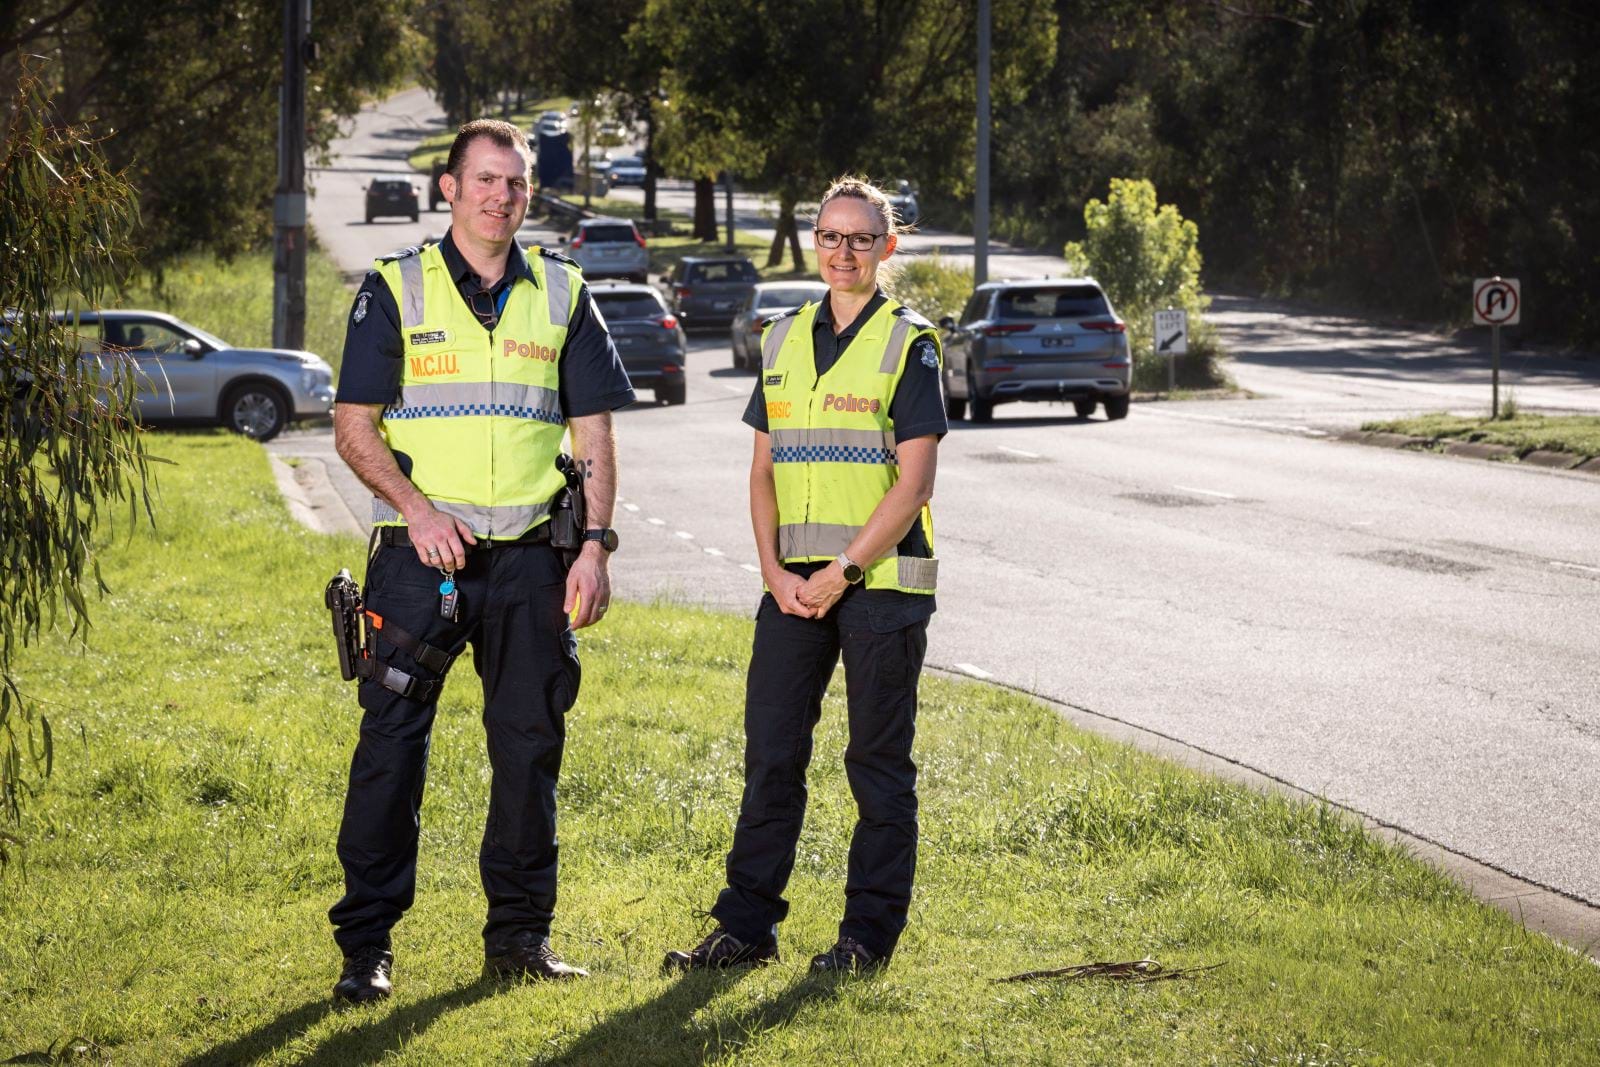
391,196
647,336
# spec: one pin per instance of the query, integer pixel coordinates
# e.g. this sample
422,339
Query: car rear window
628,305
1065,302
612,234
392,186
628,161
733,271
787,298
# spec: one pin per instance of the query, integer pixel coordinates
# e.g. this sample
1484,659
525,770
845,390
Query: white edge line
714,552
751,567
1205,492
631,507
976,672
1018,452
685,534
656,522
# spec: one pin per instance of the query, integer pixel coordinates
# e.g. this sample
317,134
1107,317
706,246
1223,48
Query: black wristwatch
852,569
607,538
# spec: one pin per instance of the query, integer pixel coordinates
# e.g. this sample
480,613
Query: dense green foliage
68,446
929,286
1375,152
174,906
1578,434
183,96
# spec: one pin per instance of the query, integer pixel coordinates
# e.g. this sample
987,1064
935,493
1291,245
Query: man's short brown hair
500,132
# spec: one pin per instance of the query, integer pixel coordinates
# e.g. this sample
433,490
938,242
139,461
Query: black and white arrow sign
1172,332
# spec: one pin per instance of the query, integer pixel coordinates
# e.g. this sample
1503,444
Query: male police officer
464,364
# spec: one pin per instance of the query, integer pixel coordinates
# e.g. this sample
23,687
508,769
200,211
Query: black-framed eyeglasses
859,242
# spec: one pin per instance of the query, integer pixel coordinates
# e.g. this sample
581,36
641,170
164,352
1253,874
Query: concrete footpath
324,495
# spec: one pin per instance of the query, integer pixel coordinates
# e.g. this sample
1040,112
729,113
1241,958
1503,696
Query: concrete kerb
1564,461
1573,922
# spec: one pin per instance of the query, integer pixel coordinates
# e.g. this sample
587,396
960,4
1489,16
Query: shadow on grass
365,1044
663,1030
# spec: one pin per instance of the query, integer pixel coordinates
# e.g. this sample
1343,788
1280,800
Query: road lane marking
656,522
751,567
1205,492
630,507
1575,566
1019,452
1252,424
733,388
714,552
685,534
976,672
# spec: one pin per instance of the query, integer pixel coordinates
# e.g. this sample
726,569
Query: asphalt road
1410,635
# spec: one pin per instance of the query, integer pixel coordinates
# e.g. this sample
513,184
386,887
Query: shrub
931,287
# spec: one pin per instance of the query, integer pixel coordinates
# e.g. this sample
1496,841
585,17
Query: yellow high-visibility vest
478,422
833,446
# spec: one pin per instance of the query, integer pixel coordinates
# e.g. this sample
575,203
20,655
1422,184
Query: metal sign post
1496,302
1172,337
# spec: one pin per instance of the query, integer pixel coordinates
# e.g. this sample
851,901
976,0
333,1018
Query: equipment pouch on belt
568,513
355,631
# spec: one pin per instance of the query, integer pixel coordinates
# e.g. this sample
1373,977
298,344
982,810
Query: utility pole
727,194
289,202
980,206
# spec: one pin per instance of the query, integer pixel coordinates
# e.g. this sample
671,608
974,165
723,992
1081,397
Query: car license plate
1057,342
624,342
721,305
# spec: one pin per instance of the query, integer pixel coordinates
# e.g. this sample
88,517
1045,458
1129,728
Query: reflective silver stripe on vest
800,539
891,351
411,304
446,399
833,446
774,341
916,573
506,521
559,284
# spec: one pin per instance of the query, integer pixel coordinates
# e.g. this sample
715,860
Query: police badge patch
930,356
361,307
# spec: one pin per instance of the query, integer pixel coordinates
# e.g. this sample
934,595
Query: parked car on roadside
186,375
550,124
765,301
627,170
903,198
647,336
391,196
609,248
708,290
1056,339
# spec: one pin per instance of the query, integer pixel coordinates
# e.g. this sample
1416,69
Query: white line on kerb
976,672
751,567
714,552
631,507
1575,566
656,522
1018,452
1205,492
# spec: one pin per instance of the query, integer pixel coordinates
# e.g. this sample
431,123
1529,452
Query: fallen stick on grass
1145,970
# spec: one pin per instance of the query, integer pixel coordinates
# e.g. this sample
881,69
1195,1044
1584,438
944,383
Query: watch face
852,573
607,538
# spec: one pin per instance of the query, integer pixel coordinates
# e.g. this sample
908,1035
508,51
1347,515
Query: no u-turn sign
1496,302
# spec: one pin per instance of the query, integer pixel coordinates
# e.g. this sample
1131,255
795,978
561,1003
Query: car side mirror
193,348
947,323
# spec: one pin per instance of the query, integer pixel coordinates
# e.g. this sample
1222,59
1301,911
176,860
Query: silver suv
1055,339
186,375
609,248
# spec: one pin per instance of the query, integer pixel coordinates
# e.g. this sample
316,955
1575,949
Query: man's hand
589,586
440,540
785,590
823,589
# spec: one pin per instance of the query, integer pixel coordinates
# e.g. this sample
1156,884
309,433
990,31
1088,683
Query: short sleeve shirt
917,409
592,379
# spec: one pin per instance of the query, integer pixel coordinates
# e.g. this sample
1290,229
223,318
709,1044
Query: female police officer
848,416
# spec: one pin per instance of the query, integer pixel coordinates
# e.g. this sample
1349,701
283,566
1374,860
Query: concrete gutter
311,498
1565,461
1573,922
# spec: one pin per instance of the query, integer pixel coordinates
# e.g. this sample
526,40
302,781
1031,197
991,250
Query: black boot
528,955
365,977
720,950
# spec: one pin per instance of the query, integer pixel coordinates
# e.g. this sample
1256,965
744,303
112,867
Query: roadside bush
932,287
1148,259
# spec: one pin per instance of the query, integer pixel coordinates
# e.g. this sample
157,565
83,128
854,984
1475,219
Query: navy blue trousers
790,665
526,656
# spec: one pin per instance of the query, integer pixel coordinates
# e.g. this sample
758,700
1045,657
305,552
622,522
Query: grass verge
181,862
1578,434
666,251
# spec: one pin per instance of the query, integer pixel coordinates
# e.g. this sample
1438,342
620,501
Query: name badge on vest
428,337
773,379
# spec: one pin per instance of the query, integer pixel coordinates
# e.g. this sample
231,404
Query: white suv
609,248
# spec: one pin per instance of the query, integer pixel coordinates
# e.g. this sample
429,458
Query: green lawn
1579,434
180,863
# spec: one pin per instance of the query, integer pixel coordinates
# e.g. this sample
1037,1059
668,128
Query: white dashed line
751,567
631,507
1575,566
1018,452
733,388
1205,492
976,672
714,552
685,534
656,522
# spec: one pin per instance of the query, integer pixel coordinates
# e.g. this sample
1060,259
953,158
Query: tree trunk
786,231
649,163
705,209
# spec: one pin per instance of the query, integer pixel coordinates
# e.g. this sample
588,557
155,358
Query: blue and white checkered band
361,307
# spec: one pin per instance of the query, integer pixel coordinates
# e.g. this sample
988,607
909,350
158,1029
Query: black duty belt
397,537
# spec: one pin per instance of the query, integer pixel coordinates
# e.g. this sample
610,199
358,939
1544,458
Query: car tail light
1115,366
577,242
670,322
1105,326
999,367
1005,328
684,293
670,368
637,236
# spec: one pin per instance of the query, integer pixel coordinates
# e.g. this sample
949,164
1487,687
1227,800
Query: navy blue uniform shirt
917,409
592,378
